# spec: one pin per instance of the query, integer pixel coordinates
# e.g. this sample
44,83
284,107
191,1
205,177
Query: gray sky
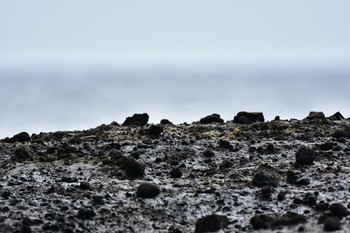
181,30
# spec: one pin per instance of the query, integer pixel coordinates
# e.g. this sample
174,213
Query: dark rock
288,219
281,195
266,176
175,173
98,200
25,228
315,115
225,144
133,168
310,199
155,131
326,146
297,179
6,194
261,221
21,137
208,153
136,120
174,231
86,213
69,179
22,154
84,185
331,224
267,222
248,117
339,210
226,164
147,190
340,134
266,193
336,116
304,156
165,122
322,206
213,118
211,223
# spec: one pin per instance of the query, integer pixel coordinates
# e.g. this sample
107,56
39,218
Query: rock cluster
247,175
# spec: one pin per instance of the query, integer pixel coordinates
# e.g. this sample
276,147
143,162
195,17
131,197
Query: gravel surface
245,175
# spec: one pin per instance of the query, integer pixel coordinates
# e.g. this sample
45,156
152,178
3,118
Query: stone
213,118
136,120
86,213
175,173
133,168
304,156
288,219
22,153
147,190
98,200
315,115
165,122
310,199
225,144
211,223
155,130
261,221
84,185
337,117
339,134
248,117
21,137
208,153
281,195
331,224
338,210
266,176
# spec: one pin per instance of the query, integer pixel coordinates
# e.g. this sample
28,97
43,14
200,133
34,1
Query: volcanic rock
155,130
21,137
211,223
136,120
165,122
339,210
315,115
175,173
213,118
336,116
133,168
261,221
147,190
331,224
86,213
304,156
22,154
248,117
266,176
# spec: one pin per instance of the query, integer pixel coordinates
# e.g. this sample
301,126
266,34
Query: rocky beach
243,175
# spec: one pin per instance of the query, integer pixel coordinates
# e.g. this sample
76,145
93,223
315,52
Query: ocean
51,98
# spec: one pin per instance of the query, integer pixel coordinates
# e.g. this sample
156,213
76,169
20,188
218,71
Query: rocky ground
245,175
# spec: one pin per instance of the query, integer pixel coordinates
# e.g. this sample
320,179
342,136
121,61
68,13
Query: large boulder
266,176
248,117
211,223
304,156
213,118
136,120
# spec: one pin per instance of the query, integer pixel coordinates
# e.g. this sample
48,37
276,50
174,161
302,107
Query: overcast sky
133,30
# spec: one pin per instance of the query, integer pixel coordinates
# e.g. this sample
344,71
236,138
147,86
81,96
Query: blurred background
71,65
